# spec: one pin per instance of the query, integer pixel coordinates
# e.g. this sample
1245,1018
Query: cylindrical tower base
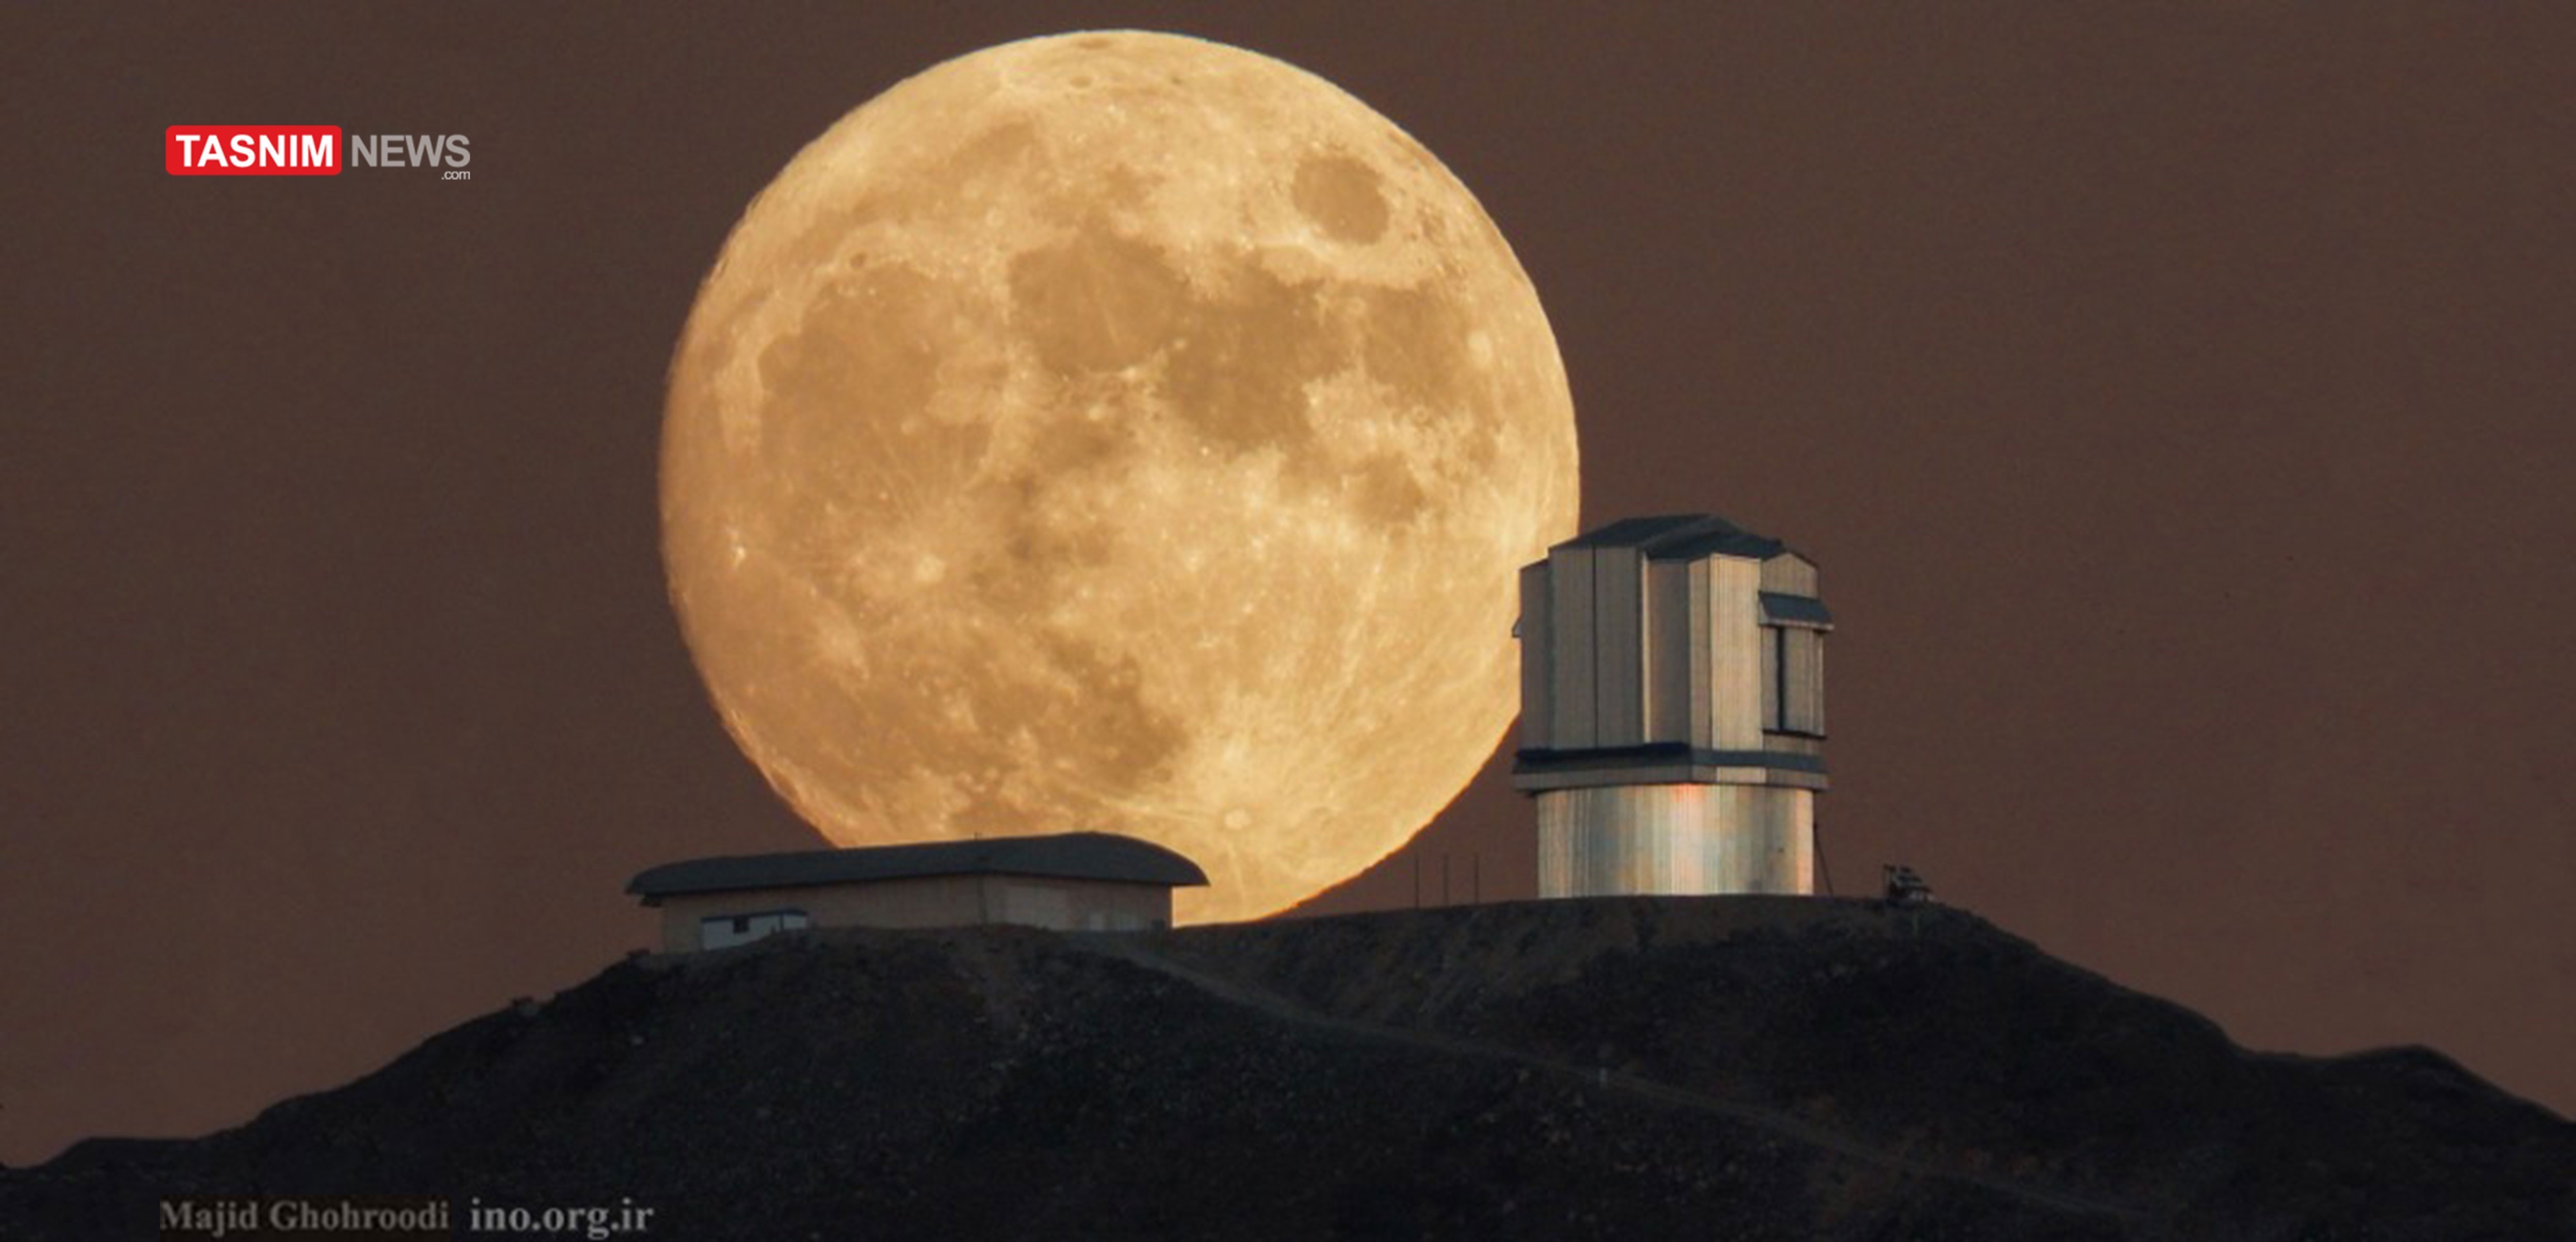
1611,840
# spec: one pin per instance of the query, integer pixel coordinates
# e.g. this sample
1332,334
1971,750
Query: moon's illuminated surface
1121,432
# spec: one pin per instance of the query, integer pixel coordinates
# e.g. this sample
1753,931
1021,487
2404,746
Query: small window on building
723,931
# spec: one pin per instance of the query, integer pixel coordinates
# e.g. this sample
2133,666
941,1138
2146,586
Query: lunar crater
1341,195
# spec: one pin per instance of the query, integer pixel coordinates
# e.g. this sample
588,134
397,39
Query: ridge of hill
1744,1068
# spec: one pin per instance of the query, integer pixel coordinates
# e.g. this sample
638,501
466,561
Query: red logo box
253,150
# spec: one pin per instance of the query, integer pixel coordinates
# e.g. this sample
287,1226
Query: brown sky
2178,401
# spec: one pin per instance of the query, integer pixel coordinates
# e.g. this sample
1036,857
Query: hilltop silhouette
1739,1068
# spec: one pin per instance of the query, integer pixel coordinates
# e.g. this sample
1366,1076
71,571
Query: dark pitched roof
1780,609
1680,536
1640,532
1069,856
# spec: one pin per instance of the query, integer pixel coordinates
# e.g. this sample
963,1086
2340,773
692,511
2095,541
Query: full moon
1118,432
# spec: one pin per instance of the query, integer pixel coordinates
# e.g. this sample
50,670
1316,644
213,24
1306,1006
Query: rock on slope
1734,1068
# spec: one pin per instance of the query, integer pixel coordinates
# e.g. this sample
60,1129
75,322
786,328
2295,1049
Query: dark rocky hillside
1722,1068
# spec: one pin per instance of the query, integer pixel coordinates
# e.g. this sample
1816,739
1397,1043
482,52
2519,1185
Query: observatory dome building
1672,710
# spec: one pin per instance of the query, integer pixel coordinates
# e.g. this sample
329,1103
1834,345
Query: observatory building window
724,931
